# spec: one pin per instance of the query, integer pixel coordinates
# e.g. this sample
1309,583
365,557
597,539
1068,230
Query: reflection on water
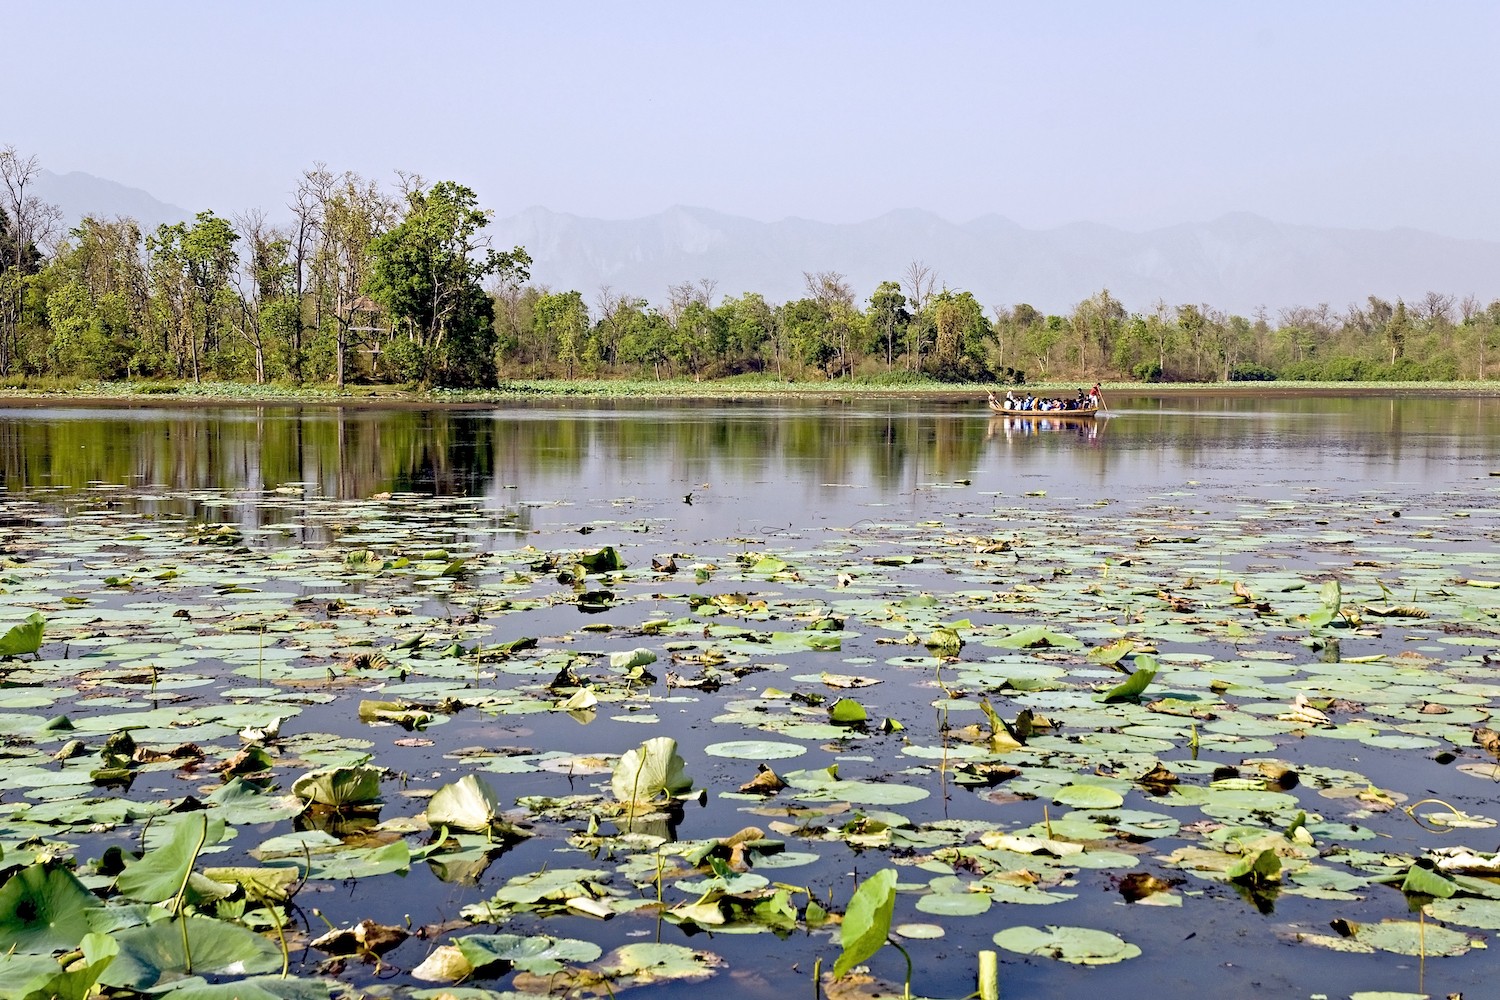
775,460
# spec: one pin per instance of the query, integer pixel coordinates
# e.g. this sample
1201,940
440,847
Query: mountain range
1238,262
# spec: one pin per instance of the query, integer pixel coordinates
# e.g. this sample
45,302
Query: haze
1364,115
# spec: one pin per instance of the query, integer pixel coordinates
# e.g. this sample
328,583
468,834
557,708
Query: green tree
189,271
428,272
1396,330
96,302
749,327
647,339
1097,322
809,338
562,320
26,222
963,332
887,318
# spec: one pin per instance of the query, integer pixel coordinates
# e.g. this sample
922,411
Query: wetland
576,697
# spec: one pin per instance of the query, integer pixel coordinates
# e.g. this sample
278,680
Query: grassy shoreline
228,393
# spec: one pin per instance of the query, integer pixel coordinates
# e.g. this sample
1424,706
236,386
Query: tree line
367,283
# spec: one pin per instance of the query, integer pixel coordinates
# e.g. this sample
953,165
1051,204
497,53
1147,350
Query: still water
1379,491
759,463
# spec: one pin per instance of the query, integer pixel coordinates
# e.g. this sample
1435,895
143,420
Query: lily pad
1078,945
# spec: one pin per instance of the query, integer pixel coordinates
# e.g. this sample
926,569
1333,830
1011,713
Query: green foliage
23,638
867,921
409,291
44,908
427,271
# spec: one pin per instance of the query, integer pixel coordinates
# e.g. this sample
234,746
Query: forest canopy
400,285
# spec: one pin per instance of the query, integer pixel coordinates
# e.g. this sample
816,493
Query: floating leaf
755,750
152,952
1079,945
847,711
44,908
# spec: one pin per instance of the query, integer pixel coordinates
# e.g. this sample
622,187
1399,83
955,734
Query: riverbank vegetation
370,285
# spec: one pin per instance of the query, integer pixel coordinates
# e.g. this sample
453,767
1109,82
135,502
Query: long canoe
996,406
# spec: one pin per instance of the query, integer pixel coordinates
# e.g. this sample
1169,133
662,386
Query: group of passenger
1083,401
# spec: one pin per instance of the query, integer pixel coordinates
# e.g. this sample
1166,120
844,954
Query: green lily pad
1078,945
755,750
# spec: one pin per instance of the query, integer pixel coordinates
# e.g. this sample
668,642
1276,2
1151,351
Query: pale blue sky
1140,114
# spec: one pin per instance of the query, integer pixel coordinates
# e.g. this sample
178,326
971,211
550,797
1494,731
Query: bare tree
835,298
350,212
28,226
1435,307
313,189
918,281
263,280
1469,308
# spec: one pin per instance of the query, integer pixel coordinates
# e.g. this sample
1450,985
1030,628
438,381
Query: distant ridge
1238,262
79,194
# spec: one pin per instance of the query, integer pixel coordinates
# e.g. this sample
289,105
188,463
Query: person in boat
1010,400
1081,401
1094,397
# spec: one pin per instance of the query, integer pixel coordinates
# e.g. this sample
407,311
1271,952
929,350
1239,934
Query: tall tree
97,304
266,312
190,270
562,320
962,335
835,300
348,213
26,225
918,281
749,327
428,272
888,317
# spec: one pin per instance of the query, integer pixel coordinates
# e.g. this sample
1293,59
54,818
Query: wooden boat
1087,413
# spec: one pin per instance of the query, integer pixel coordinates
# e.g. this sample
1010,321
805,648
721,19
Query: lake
1206,680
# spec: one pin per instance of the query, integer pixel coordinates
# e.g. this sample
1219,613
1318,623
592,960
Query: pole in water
989,975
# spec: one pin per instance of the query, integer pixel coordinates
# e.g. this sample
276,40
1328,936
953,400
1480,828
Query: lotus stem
1411,812
906,989
286,954
177,900
818,978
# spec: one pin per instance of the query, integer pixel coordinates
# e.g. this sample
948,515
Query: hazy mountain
1238,262
79,194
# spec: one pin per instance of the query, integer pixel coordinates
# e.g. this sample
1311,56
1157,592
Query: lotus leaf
339,787
867,921
1079,945
158,952
165,871
468,804
23,638
44,908
651,772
